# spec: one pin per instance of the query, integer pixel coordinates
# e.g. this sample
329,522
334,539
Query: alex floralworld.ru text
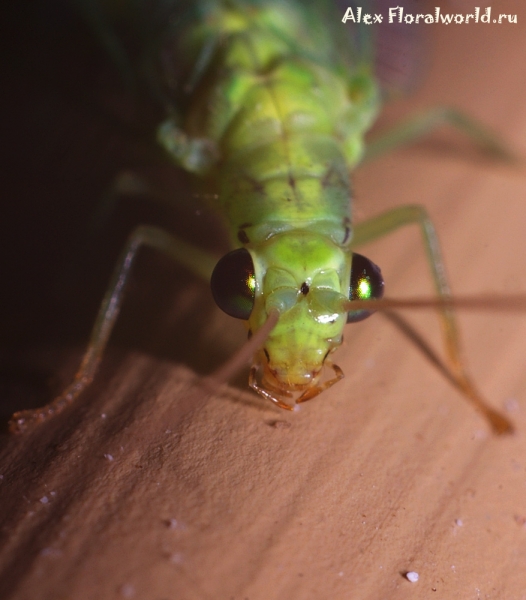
398,15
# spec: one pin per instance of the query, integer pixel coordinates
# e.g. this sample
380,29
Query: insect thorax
284,126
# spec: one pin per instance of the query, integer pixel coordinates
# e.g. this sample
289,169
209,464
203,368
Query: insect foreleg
424,123
195,155
321,387
194,259
407,215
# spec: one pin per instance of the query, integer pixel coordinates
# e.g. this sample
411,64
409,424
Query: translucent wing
400,49
392,49
141,38
136,36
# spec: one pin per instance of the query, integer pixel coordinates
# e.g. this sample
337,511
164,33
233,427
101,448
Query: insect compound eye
366,283
233,284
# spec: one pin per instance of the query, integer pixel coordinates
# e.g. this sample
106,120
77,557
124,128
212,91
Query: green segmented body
279,129
278,121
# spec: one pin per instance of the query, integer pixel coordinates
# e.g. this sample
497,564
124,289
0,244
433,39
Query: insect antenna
455,371
499,423
509,303
239,360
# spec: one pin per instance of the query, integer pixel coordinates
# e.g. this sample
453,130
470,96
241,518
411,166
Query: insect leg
266,393
194,259
130,184
321,387
194,154
412,214
424,123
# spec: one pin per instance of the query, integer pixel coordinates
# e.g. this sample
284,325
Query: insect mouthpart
299,384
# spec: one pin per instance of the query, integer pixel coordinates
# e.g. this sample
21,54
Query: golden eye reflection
364,289
251,283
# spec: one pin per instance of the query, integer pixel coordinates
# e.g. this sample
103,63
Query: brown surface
177,493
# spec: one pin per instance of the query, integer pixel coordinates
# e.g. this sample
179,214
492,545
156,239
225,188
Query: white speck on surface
52,493
176,558
1,477
412,576
52,552
108,457
103,416
127,590
44,500
511,405
459,522
175,524
340,574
